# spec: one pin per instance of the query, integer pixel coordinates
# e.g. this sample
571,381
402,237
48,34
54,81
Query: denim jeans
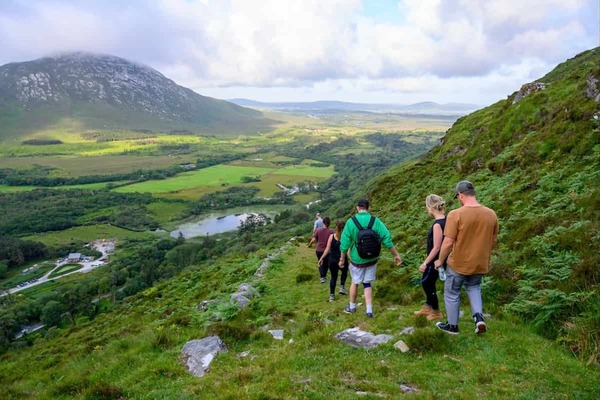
454,282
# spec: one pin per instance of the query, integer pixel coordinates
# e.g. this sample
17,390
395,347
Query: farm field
101,165
85,234
224,175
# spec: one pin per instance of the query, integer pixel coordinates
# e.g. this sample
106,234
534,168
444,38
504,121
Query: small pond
213,224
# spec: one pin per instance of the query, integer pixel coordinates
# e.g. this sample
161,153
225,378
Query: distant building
74,257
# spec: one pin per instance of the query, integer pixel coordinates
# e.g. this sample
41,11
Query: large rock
248,291
358,338
241,300
198,354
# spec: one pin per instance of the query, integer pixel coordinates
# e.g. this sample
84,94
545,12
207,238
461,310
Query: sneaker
342,290
349,310
446,327
369,315
480,326
331,297
323,280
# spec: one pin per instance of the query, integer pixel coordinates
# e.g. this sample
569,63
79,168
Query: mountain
102,91
425,108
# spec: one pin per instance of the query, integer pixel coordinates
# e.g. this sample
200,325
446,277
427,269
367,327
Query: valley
118,330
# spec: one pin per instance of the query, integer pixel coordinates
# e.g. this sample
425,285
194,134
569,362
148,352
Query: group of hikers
459,248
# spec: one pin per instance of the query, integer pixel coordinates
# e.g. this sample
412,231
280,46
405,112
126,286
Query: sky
369,51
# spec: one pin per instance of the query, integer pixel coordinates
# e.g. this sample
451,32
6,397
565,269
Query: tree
52,313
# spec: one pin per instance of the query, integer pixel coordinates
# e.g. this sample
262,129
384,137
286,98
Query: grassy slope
135,352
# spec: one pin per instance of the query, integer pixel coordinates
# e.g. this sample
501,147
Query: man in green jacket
363,270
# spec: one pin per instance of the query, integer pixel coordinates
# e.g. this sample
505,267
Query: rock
241,300
358,338
593,90
277,333
487,315
408,389
243,354
400,345
204,305
408,331
198,354
528,89
461,314
248,291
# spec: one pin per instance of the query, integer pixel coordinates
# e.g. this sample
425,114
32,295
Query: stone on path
408,389
408,331
400,345
358,338
277,333
198,354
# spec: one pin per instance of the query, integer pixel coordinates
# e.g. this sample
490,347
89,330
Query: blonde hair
435,202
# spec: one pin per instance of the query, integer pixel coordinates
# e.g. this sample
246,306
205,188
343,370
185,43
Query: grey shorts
362,275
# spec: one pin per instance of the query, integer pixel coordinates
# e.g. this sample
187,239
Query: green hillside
535,161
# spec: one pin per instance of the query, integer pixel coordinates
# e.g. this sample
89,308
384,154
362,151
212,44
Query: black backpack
368,243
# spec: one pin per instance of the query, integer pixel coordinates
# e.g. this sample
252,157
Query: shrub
304,277
427,340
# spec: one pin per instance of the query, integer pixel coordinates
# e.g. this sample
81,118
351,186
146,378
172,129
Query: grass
16,276
77,165
211,176
65,269
223,175
85,234
135,352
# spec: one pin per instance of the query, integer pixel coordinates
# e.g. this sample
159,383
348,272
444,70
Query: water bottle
442,273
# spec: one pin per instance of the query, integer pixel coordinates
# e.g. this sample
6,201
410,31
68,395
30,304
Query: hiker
318,223
363,266
321,236
333,251
470,235
435,207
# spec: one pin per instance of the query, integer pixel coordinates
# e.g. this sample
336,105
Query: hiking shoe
435,315
349,310
425,310
480,326
323,280
369,315
331,297
446,327
342,290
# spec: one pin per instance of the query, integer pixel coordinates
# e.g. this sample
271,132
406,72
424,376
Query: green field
65,269
85,234
216,175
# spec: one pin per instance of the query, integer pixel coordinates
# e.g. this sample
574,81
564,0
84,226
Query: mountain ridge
106,90
426,107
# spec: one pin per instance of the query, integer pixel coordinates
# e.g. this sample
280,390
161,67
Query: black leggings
323,266
334,268
430,277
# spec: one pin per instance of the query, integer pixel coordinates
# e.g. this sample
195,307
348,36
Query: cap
363,203
463,186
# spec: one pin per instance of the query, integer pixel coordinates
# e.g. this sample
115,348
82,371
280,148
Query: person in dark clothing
435,208
334,253
321,236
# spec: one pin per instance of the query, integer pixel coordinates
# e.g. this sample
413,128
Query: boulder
241,300
198,354
277,333
400,345
248,291
358,338
528,89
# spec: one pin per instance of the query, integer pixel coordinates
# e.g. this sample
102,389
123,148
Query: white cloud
317,45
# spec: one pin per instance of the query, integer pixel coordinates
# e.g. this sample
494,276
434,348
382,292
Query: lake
214,224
